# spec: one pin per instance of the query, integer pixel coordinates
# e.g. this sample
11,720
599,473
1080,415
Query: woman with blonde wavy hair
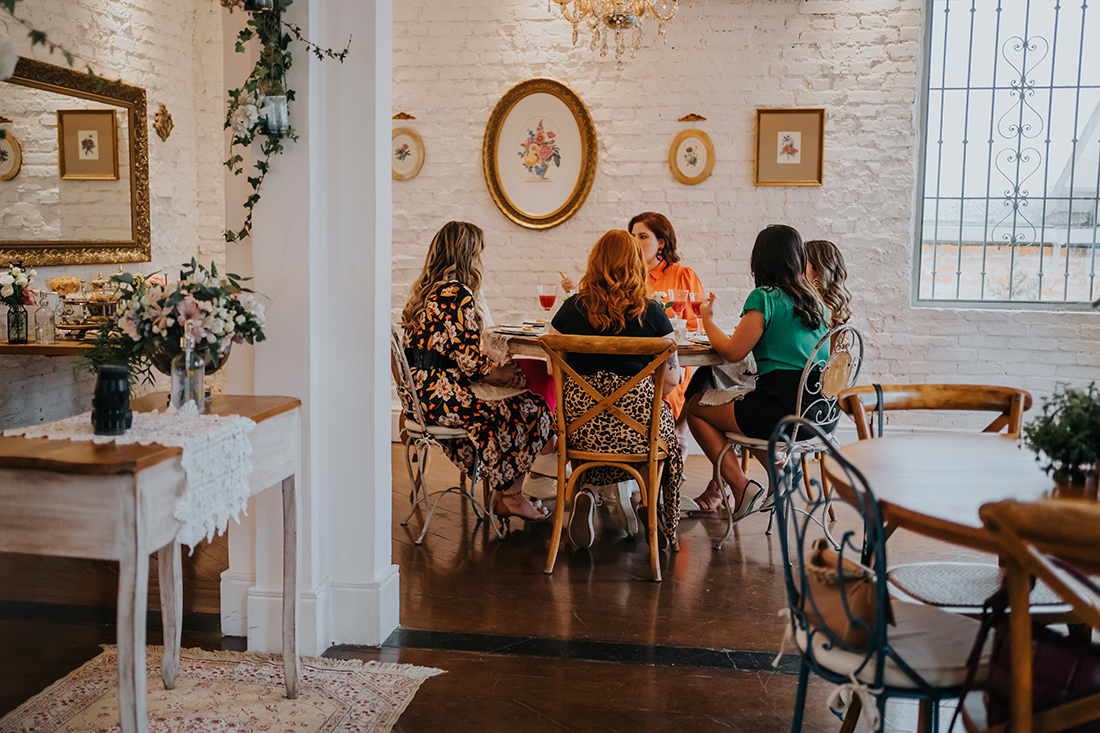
611,301
442,324
825,269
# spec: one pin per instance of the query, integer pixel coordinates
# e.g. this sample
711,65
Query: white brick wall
174,51
857,58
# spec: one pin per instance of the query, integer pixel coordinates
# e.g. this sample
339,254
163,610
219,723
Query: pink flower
550,135
540,138
28,299
545,151
160,319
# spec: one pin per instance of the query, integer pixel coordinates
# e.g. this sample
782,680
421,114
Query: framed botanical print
539,154
88,144
11,157
691,157
789,147
406,154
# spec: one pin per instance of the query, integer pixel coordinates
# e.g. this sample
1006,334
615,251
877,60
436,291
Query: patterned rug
228,691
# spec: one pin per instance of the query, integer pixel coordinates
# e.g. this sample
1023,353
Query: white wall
173,50
857,58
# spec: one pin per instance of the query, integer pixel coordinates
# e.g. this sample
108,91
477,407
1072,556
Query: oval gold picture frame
686,166
411,147
561,166
10,169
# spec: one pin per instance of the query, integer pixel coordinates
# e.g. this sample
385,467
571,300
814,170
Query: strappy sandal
748,500
533,511
711,498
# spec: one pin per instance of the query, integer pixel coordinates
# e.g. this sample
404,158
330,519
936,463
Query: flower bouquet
147,330
15,293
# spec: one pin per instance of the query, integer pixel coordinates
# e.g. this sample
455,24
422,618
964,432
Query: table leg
169,570
133,587
290,588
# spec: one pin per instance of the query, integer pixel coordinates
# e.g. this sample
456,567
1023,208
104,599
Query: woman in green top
782,321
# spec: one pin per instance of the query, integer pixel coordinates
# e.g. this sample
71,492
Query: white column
321,254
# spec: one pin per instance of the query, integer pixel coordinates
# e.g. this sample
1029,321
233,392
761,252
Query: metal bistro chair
959,586
823,378
846,628
659,349
422,437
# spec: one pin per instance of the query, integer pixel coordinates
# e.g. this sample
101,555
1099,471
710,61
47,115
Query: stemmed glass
696,300
679,301
548,294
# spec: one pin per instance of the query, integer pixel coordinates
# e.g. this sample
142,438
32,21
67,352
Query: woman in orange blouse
658,239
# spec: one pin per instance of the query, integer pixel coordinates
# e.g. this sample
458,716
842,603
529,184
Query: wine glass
697,300
548,294
679,301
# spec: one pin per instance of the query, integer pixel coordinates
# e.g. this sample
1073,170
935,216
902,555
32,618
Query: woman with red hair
612,301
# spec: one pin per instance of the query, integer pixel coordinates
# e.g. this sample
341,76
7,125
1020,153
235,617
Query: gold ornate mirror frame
61,80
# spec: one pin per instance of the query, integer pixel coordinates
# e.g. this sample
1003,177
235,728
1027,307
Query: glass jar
18,331
45,323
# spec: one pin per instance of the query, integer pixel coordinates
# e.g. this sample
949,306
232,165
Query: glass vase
18,324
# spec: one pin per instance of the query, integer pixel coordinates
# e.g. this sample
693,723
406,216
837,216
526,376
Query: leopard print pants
605,433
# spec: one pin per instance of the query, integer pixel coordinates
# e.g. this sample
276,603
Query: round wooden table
935,484
689,354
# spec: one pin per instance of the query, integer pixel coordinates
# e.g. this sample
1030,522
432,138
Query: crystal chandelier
620,16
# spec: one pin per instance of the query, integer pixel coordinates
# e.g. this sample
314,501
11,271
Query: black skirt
775,397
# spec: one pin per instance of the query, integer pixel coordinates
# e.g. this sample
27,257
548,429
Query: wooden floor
596,646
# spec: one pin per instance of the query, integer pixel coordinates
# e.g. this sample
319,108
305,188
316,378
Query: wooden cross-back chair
1033,537
659,350
422,436
1009,403
960,586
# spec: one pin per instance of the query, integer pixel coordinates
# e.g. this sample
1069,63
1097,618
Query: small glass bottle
45,325
188,370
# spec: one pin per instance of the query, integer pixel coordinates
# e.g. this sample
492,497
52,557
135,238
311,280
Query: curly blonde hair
613,289
830,277
454,255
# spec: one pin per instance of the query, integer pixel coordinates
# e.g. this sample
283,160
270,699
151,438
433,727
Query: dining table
106,501
689,353
935,483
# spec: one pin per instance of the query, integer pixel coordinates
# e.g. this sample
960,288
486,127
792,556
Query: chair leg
800,697
852,716
826,487
806,478
565,487
721,487
419,492
771,518
926,717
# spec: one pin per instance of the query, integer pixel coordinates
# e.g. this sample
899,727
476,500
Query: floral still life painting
538,150
691,157
89,144
790,148
402,151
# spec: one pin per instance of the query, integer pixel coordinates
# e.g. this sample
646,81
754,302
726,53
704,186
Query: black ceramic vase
111,402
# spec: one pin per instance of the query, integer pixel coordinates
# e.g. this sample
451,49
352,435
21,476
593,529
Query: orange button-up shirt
664,277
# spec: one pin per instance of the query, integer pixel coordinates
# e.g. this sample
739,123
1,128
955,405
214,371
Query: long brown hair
830,276
452,256
662,229
613,290
779,261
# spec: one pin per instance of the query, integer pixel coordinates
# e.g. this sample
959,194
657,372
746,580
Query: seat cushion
416,430
933,642
961,584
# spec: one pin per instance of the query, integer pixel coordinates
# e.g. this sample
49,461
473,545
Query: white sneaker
538,486
618,496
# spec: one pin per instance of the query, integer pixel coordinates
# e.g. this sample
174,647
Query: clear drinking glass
548,295
697,300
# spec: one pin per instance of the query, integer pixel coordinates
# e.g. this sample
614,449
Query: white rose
8,59
32,273
7,291
21,281
245,118
6,279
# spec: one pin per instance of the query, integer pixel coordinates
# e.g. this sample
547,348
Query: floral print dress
505,435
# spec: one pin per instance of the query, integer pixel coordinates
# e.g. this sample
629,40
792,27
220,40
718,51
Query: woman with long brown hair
781,323
442,324
826,271
612,301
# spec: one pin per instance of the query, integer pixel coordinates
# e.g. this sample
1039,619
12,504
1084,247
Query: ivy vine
245,115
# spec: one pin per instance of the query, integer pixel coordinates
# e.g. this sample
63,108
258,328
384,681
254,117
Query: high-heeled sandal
711,498
534,510
753,493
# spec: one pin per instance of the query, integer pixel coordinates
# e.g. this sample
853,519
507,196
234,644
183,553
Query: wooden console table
112,502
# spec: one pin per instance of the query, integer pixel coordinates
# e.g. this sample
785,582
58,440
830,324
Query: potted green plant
1067,437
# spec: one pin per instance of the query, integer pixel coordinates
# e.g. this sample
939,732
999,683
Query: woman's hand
567,283
706,310
506,375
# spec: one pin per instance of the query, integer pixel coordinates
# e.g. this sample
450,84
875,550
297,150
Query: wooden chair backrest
660,349
1008,402
402,377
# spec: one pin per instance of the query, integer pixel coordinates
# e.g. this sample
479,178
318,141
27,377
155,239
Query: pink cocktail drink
547,301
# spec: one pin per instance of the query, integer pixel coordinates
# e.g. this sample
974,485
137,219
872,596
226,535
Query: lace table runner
216,460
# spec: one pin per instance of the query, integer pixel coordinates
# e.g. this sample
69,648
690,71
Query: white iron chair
823,378
422,437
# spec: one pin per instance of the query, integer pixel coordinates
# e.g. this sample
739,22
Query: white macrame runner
216,460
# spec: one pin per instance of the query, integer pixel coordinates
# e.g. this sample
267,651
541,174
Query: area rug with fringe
228,691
